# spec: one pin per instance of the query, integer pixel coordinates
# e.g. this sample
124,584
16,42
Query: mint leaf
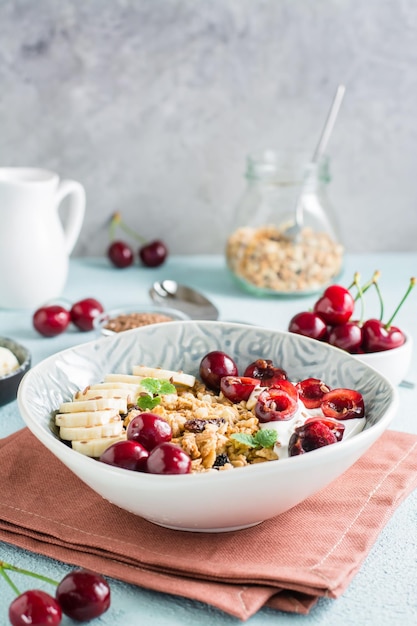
247,440
266,438
166,387
157,386
151,385
154,387
147,402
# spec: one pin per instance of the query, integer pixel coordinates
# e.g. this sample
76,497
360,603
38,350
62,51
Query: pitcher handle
76,210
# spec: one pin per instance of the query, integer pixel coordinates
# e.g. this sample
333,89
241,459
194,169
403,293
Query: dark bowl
10,382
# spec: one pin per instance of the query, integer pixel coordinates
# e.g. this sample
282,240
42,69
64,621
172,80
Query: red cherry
287,386
83,595
153,253
335,306
311,392
265,371
377,338
168,458
35,607
335,426
343,404
310,436
83,313
214,366
237,388
120,254
149,430
129,455
275,405
308,324
346,336
51,320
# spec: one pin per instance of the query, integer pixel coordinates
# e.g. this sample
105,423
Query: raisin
197,425
221,459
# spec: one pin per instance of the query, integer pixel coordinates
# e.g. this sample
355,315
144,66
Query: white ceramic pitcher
35,244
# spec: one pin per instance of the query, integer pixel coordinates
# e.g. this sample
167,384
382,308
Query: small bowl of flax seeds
126,318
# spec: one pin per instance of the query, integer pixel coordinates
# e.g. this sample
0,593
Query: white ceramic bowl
209,501
393,364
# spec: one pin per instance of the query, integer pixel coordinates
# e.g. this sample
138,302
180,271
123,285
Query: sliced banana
86,418
176,378
96,447
131,379
81,433
97,394
120,404
253,398
115,385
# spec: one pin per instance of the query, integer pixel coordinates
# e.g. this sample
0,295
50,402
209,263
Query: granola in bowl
202,424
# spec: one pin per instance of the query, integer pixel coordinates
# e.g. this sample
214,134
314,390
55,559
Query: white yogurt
286,428
8,362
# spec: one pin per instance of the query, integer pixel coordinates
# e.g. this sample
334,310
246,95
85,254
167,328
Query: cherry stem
26,572
367,285
9,580
356,283
132,233
380,298
410,287
116,220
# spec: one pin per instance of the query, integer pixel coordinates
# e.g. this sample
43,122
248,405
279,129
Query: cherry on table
84,312
35,607
83,595
120,254
154,253
51,320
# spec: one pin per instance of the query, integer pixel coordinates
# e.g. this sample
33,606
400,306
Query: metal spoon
293,232
171,294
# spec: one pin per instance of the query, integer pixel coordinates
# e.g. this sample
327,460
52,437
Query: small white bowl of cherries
381,345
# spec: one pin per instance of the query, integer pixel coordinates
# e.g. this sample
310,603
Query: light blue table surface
384,591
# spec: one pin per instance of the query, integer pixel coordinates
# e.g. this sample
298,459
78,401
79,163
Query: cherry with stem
378,336
151,253
82,595
8,566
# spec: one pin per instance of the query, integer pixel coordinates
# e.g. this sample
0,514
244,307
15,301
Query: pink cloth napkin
285,563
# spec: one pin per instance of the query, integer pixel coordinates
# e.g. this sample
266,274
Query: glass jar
260,253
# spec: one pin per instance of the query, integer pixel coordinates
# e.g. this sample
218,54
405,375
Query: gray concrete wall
154,104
